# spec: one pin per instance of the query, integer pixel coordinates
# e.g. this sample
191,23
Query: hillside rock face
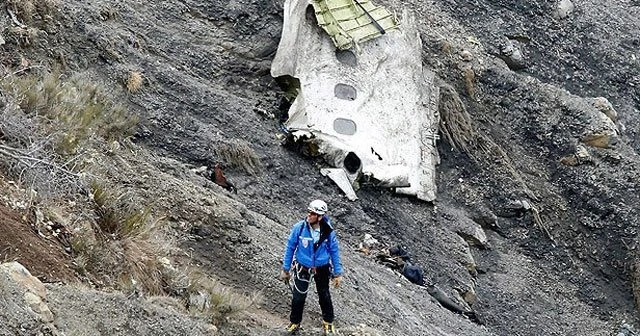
24,309
536,218
31,308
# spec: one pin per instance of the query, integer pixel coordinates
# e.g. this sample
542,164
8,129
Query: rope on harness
297,270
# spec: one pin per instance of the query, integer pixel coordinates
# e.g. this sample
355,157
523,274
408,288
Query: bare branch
15,20
16,154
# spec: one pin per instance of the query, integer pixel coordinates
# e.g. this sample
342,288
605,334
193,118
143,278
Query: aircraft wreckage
364,102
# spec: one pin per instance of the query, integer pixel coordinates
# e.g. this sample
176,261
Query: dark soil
208,85
45,259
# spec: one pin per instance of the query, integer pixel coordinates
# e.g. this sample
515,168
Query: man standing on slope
314,244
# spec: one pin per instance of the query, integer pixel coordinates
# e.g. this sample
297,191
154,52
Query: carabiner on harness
303,274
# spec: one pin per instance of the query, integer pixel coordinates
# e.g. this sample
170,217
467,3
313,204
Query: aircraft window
346,92
346,57
345,126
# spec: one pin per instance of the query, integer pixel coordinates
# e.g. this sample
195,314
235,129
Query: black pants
301,280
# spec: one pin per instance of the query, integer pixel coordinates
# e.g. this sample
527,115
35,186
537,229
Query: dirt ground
45,259
207,85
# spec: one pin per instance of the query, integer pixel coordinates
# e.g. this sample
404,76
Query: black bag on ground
414,274
398,251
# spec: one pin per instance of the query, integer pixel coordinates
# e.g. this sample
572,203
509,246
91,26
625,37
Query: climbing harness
303,274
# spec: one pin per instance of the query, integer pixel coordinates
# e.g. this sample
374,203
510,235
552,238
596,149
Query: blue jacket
301,244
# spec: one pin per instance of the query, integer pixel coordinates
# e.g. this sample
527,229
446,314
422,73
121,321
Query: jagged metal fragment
350,22
339,176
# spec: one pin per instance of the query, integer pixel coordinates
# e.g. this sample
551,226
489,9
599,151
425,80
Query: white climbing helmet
318,207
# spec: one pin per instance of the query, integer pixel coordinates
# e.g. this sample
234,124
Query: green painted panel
348,24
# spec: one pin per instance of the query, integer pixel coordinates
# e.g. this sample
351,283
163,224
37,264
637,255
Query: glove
337,281
285,276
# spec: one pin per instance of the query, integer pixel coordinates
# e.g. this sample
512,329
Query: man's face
312,217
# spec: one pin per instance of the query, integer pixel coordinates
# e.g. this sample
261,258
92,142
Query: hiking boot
328,328
292,329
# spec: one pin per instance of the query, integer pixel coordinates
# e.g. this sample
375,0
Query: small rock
581,156
512,55
38,306
515,208
600,140
201,231
486,219
22,276
466,56
569,160
227,45
369,241
470,296
563,9
604,106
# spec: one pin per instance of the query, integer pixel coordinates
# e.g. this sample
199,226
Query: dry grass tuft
457,127
238,153
207,297
77,110
470,82
635,280
23,36
121,248
109,13
455,121
446,47
26,10
116,217
134,82
47,7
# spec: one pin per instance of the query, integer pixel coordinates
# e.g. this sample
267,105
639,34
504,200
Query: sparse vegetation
109,13
470,82
48,126
7,255
120,249
207,297
455,121
457,127
114,218
26,10
52,128
635,280
75,109
134,82
239,154
48,123
24,36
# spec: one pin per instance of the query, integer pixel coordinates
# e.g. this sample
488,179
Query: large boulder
23,310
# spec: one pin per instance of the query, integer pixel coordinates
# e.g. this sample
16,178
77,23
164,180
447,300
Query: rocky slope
527,72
